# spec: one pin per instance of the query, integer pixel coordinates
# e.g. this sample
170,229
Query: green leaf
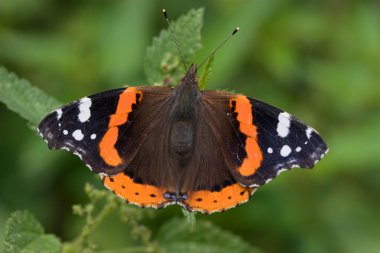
24,234
163,63
176,236
21,97
206,72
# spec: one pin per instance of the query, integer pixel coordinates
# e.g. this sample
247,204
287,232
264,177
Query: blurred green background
319,60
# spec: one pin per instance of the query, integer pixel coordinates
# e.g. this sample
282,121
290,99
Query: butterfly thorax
183,117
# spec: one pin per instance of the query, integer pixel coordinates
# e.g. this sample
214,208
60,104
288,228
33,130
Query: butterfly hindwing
138,193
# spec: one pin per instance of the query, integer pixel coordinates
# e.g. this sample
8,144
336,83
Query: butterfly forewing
285,141
80,126
95,126
266,140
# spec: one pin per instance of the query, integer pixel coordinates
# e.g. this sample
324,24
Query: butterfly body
183,118
207,151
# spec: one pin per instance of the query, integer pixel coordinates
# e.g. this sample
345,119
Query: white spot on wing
59,113
78,135
309,130
285,151
84,109
298,149
283,124
93,136
65,132
270,150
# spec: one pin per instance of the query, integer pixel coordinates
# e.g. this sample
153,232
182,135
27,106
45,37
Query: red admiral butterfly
207,151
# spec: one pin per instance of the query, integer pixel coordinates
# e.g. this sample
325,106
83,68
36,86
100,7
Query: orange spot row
139,194
107,148
252,162
228,197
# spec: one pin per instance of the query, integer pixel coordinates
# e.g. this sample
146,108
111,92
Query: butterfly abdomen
182,140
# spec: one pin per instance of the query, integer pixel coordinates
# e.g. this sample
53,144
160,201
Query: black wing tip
47,135
49,129
320,148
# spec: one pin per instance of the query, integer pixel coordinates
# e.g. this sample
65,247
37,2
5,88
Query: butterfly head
190,79
187,94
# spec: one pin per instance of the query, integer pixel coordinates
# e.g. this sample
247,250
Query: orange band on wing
107,148
209,202
252,162
138,194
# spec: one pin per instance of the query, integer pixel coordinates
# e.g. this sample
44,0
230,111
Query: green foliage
163,64
24,234
176,236
100,205
318,60
206,73
21,97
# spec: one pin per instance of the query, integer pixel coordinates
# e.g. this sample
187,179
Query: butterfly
207,151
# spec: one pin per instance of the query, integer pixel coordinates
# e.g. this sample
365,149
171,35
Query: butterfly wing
80,126
271,140
285,142
110,132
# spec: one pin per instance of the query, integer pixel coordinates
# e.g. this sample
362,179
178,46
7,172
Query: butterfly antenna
220,46
174,38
